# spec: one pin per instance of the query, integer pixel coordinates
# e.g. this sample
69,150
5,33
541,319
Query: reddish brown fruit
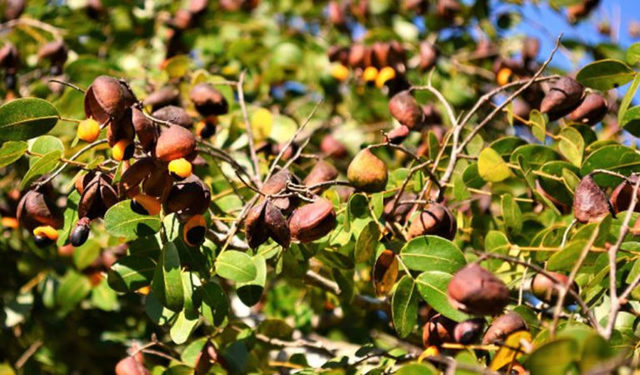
254,228
321,172
469,331
175,142
402,210
404,108
174,115
105,99
132,177
564,96
312,221
358,55
165,96
97,196
447,9
9,57
188,197
428,56
130,366
436,219
437,331
477,291
332,147
622,194
546,289
591,111
207,100
277,184
35,209
589,202
146,130
504,326
56,52
336,13
579,11
276,225
398,135
14,8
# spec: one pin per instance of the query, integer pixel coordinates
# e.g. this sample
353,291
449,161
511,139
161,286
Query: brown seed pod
358,55
321,172
278,184
435,219
159,182
97,196
130,366
56,52
428,56
622,194
188,197
146,130
276,225
9,57
437,331
564,95
385,272
332,147
402,211
398,135
469,331
133,176
174,115
418,6
579,11
208,101
182,20
175,142
35,209
545,289
312,221
14,8
589,202
121,129
476,291
503,326
254,228
198,7
404,108
367,173
447,9
105,99
380,54
431,115
530,48
591,111
336,13
338,54
164,96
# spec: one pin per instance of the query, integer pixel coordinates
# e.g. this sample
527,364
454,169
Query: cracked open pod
590,204
476,291
188,197
435,219
35,209
106,98
312,221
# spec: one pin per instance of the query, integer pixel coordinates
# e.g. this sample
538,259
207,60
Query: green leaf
367,243
73,288
12,151
553,358
167,280
633,54
631,120
177,66
628,97
45,164
605,74
492,167
44,145
251,292
511,214
616,158
432,253
432,286
121,221
538,123
182,328
404,306
571,145
236,266
26,118
103,297
595,351
417,369
215,305
84,255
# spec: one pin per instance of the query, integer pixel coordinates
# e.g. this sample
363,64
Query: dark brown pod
418,6
621,195
208,101
14,8
437,331
503,326
564,95
338,54
56,52
105,99
121,128
402,210
476,291
435,219
182,20
188,197
35,209
428,56
380,54
396,54
146,130
591,111
398,135
469,331
174,115
312,221
159,182
278,184
332,147
589,202
336,13
321,172
254,227
546,289
133,176
95,9
165,96
276,225
9,57
98,195
205,359
431,115
357,54
447,9
404,108
175,142
530,48
130,366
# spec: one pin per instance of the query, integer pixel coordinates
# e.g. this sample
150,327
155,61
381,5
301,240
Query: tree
248,187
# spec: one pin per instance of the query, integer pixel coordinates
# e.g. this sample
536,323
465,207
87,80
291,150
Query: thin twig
247,125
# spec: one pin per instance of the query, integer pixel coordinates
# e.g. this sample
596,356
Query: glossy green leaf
511,214
167,279
236,266
121,221
616,158
215,304
432,286
538,122
367,243
45,164
404,306
553,358
417,369
605,74
571,145
11,151
72,289
44,145
492,167
631,120
432,253
26,118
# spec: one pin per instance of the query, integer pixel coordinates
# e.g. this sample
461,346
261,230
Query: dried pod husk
339,54
188,197
332,147
590,204
278,184
175,142
174,115
437,331
35,209
358,55
208,101
164,96
56,52
546,289
398,135
159,183
476,291
121,129
105,99
80,232
579,11
312,221
622,194
276,225
428,56
255,229
98,195
385,272
145,129
563,96
530,48
14,8
133,176
435,219
130,366
503,326
380,54
591,111
402,210
321,172
404,108
9,58
367,172
468,331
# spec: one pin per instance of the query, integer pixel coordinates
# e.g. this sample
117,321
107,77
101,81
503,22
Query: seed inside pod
312,221
80,232
435,219
164,96
207,100
545,289
437,331
194,230
503,326
589,202
35,209
276,225
622,194
476,291
367,173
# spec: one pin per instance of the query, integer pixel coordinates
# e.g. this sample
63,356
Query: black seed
207,131
79,235
42,241
176,177
129,150
195,235
138,208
